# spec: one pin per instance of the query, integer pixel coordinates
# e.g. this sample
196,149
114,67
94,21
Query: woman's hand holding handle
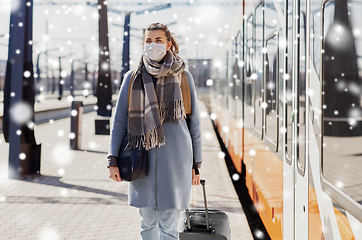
114,174
195,178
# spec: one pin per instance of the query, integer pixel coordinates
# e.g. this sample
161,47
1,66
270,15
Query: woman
160,127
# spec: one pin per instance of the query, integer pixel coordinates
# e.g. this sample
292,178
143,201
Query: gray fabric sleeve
120,119
195,126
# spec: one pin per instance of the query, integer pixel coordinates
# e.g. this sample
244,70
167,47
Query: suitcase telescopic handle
206,209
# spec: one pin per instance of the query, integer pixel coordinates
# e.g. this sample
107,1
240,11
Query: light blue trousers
159,225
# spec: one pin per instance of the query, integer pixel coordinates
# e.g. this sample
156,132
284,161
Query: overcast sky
202,27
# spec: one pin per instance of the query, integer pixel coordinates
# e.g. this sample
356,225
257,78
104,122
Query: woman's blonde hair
170,36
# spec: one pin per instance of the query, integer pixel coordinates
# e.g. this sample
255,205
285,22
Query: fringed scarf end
151,139
173,111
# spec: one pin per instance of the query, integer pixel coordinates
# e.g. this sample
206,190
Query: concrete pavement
75,199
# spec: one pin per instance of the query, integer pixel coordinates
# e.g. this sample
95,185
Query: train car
287,102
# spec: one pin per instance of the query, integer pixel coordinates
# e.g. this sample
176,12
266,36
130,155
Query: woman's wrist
112,161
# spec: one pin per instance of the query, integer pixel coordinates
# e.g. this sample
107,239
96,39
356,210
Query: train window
259,66
301,130
271,94
315,35
249,52
219,88
223,82
238,76
227,82
288,82
234,78
235,74
249,46
271,61
271,18
342,105
281,5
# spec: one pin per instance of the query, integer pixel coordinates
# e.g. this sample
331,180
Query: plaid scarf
150,105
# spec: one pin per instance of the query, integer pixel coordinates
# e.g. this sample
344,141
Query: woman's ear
168,46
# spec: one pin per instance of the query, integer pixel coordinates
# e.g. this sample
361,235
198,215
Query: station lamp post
19,94
61,81
38,70
104,86
72,88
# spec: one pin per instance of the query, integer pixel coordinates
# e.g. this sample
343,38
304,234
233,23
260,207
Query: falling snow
60,133
70,98
49,233
92,145
221,155
252,152
235,177
209,82
27,74
207,135
283,130
64,192
22,156
203,114
74,113
71,135
225,129
21,112
85,92
61,154
105,66
264,105
61,172
259,234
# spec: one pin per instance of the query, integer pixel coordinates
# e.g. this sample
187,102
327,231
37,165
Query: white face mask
155,51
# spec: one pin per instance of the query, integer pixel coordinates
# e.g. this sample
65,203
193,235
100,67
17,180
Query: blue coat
168,184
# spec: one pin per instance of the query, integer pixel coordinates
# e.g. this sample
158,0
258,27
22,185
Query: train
286,100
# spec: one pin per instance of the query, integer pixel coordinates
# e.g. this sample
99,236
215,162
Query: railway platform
51,108
73,198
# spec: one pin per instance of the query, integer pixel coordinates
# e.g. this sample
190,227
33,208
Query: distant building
200,70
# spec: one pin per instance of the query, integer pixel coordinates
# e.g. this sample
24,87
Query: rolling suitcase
205,224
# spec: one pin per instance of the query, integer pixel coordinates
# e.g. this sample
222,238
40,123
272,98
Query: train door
295,176
301,152
288,173
258,81
249,40
338,191
238,94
